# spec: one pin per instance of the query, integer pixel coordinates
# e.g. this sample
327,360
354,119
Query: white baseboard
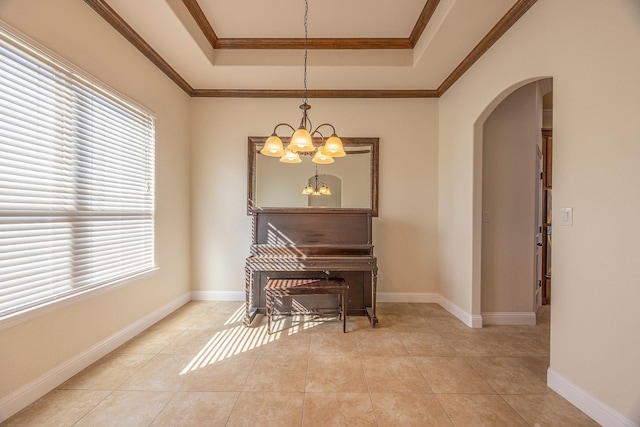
471,320
218,295
593,407
509,318
37,388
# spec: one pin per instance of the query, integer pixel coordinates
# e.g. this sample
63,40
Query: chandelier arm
316,131
283,124
308,122
333,129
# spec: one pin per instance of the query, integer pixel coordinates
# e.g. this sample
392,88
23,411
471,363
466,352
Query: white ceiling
454,29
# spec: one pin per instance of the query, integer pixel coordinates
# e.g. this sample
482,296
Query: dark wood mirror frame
256,142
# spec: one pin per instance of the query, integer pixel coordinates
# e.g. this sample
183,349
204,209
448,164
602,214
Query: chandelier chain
306,35
301,142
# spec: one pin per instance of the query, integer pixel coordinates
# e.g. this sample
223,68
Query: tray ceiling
357,48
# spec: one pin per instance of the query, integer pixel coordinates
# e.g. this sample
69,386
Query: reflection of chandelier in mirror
302,139
316,188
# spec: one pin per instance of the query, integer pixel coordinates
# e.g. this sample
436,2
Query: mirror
353,179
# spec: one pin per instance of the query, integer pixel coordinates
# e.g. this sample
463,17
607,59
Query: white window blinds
76,182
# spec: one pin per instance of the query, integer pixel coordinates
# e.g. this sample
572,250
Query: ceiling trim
116,21
315,43
506,22
248,93
203,23
312,43
423,20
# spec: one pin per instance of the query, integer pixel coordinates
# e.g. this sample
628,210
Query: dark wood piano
313,243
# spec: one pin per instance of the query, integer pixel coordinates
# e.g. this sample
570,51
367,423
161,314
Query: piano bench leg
343,312
269,301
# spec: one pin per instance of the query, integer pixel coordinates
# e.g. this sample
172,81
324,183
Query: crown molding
424,18
312,43
351,93
120,25
506,22
201,20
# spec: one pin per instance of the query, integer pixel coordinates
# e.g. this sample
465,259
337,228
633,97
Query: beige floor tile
233,309
339,373
549,411
407,322
162,373
182,318
451,375
107,373
389,374
127,408
214,321
388,308
190,342
448,324
338,409
197,409
512,329
475,410
536,345
430,310
506,375
522,344
151,341
294,324
277,373
426,344
381,344
267,409
362,325
57,408
408,409
477,344
229,342
224,375
286,343
333,344
420,366
537,365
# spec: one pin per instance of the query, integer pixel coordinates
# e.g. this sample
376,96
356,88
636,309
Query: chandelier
316,187
301,142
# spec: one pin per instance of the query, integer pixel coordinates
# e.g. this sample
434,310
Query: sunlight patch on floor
238,339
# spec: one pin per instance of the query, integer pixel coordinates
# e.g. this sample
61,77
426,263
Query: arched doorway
507,152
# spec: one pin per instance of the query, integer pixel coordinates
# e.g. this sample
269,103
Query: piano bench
289,287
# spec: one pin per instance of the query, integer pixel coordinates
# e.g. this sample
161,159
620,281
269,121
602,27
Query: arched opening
507,155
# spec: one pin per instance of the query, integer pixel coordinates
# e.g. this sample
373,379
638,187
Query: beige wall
404,232
72,30
430,187
510,137
592,51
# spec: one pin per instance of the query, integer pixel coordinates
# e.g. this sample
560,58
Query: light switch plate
566,216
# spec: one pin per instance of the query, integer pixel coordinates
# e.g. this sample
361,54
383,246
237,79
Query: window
76,181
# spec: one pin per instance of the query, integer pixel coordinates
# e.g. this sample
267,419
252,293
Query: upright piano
312,243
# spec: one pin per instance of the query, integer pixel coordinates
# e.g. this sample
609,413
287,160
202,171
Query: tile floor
420,367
